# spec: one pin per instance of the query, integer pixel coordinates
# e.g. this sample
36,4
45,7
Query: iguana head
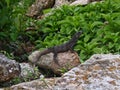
77,35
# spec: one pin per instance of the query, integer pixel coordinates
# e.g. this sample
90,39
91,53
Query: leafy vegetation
13,24
100,23
13,21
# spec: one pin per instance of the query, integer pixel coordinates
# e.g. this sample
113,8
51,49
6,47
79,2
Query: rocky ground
100,72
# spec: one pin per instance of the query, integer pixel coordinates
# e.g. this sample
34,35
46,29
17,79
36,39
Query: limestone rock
28,72
62,2
83,2
8,68
36,8
100,72
80,2
66,60
40,84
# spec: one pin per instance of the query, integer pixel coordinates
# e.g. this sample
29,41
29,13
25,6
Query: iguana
63,47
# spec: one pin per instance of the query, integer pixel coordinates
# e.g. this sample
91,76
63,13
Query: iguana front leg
55,57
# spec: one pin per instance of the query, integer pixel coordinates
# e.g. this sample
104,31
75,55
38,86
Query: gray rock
83,2
66,60
100,72
80,2
28,72
62,2
9,69
36,9
40,84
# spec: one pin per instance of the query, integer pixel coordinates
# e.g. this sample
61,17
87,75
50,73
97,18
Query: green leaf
96,23
8,2
87,38
46,30
45,11
97,50
13,36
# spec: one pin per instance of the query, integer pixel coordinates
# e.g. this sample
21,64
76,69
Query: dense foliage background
13,24
100,23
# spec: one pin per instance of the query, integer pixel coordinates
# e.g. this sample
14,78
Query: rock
40,84
83,2
100,72
80,2
67,60
94,0
28,72
62,2
101,57
9,69
36,9
2,89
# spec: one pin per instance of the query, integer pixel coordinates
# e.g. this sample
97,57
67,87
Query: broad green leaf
87,38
